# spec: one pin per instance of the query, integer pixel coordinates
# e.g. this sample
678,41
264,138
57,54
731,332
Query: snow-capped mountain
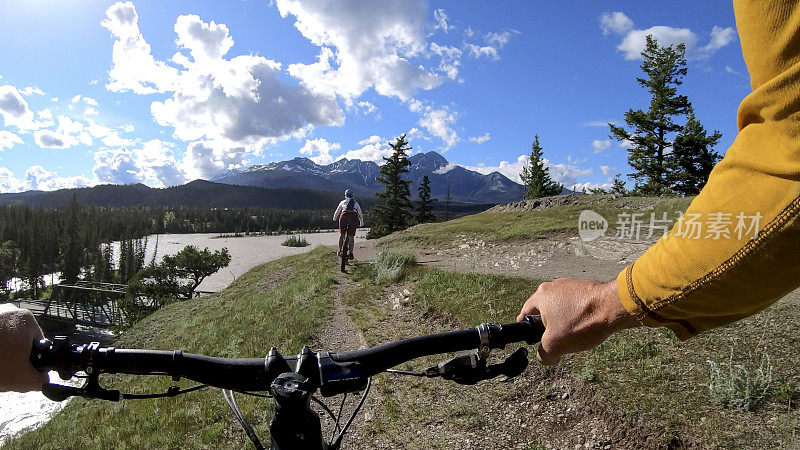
361,176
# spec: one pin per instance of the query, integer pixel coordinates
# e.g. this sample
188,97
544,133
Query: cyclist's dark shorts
348,222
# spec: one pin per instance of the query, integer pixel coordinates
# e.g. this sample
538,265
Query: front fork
295,425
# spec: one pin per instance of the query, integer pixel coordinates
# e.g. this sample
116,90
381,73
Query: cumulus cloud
363,45
89,111
634,40
374,149
615,22
321,148
134,68
39,178
228,106
204,159
480,139
607,170
438,122
14,110
153,163
8,140
68,133
8,183
493,43
600,146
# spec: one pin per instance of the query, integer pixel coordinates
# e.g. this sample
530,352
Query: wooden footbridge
84,302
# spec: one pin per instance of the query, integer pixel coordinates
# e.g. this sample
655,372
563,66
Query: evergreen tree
71,251
9,256
447,205
694,156
651,131
536,177
424,213
618,188
392,213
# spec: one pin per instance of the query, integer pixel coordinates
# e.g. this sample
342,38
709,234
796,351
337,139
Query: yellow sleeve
692,282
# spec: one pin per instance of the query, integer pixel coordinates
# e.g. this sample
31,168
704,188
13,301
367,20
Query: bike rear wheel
344,249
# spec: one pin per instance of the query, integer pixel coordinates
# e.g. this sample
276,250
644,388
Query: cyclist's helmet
348,193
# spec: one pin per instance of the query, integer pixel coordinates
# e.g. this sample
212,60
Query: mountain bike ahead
290,381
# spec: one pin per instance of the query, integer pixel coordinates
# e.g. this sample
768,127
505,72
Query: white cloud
368,108
320,147
487,51
8,140
28,91
117,167
499,40
240,102
8,183
108,136
153,163
69,133
90,101
451,59
89,111
39,178
730,69
615,22
439,123
45,114
600,146
134,68
14,110
480,139
634,40
204,159
607,170
362,45
566,174
374,149
441,20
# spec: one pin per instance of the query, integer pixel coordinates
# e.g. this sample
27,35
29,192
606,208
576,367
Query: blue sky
165,92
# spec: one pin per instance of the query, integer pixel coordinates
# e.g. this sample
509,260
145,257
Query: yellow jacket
693,281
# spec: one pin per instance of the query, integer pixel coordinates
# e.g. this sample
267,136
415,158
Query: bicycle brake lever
470,368
90,389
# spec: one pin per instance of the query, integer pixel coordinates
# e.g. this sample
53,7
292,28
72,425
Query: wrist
617,317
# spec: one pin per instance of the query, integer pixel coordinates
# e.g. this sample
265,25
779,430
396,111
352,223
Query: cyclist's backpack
351,205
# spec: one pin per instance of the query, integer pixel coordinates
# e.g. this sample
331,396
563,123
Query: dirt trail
560,255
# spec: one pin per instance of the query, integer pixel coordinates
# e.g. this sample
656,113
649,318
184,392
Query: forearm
691,284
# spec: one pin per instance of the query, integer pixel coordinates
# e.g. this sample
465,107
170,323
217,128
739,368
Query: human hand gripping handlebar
307,372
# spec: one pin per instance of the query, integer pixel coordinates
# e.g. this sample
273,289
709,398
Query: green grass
295,241
473,298
533,224
280,303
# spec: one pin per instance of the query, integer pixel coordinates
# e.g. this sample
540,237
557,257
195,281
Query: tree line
669,150
75,240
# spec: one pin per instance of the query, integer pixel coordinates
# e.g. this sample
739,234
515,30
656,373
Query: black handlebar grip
40,354
537,328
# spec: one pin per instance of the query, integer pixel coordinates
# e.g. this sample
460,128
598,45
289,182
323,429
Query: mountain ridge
361,176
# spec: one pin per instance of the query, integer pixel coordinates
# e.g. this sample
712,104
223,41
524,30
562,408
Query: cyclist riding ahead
348,215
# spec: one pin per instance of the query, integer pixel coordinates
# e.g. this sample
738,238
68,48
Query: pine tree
651,130
619,188
392,213
694,156
424,213
536,177
71,251
447,205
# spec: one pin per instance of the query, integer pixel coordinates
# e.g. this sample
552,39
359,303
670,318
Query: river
19,412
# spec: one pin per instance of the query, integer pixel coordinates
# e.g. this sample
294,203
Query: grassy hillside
493,226
280,303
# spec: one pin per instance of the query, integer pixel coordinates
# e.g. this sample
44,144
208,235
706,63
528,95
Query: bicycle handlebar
334,373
